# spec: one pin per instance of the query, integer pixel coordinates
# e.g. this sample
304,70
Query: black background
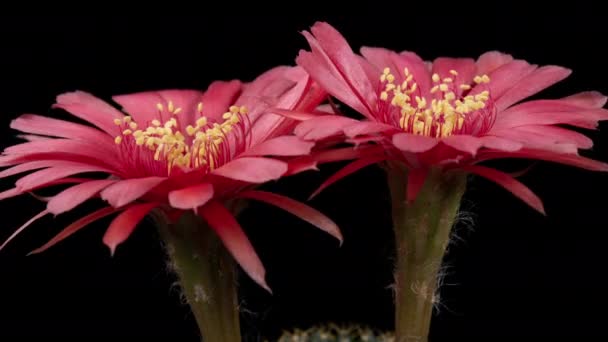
513,273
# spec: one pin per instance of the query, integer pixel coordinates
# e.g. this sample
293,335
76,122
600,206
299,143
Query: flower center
200,145
447,111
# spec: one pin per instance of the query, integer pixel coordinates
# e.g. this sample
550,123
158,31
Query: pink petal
252,169
415,182
505,77
509,183
367,127
414,143
347,170
235,241
126,191
191,197
22,228
91,109
343,57
492,60
28,166
532,84
299,116
298,209
75,195
558,135
45,176
302,164
219,97
530,139
346,153
123,225
74,227
417,67
567,159
464,143
10,193
280,146
323,127
587,99
36,124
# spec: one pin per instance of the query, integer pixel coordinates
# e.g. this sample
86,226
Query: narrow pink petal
464,143
414,143
75,195
509,183
583,118
491,60
235,240
45,176
558,135
532,84
91,109
28,166
501,144
301,164
126,191
298,209
123,225
533,140
587,99
346,153
10,193
75,227
567,159
347,170
36,124
367,127
22,228
415,182
417,67
191,197
323,127
252,169
295,115
505,77
343,57
281,146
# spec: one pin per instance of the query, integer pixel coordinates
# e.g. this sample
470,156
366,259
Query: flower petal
191,197
301,164
235,240
567,159
123,225
414,143
219,96
347,170
587,99
509,183
367,127
22,228
75,195
74,227
298,209
505,77
540,79
126,191
252,169
91,109
50,174
465,67
492,60
323,127
36,124
286,145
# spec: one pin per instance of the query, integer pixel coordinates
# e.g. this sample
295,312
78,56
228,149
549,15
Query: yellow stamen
117,122
118,140
159,106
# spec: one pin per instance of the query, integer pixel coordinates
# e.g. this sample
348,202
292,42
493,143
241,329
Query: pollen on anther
159,106
177,110
465,87
117,122
435,78
118,140
454,72
155,123
199,107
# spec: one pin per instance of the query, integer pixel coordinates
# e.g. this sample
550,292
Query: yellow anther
386,71
191,130
448,80
234,109
390,78
243,110
390,87
383,96
443,87
434,89
170,106
465,87
155,123
118,140
450,96
202,121
413,88
159,106
177,110
435,78
138,133
133,125
140,141
454,72
382,78
199,107
421,102
406,71
226,115
127,132
117,122
485,79
409,78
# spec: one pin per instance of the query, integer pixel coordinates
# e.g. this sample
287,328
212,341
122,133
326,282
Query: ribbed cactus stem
422,231
206,275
